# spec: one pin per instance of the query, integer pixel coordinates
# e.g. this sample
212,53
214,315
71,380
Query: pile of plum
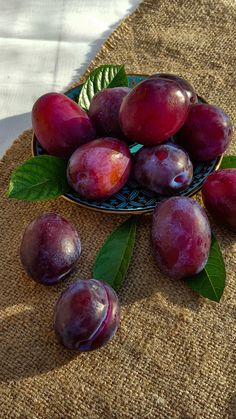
96,143
99,163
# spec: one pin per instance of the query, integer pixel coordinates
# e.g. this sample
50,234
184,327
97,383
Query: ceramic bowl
132,199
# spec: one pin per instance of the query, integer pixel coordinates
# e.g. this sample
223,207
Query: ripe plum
206,133
219,196
104,111
49,248
86,315
60,125
181,237
164,169
100,168
154,110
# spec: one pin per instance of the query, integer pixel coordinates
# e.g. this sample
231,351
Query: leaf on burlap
228,162
210,282
39,178
114,257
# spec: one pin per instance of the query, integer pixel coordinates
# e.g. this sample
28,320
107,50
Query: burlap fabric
174,355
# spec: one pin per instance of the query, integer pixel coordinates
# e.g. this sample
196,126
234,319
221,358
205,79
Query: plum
206,133
100,168
60,125
154,110
104,111
86,315
49,249
181,237
164,169
219,196
182,82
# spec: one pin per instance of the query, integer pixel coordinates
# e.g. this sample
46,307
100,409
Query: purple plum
100,168
104,111
219,196
49,249
86,315
60,125
181,237
206,133
153,111
164,169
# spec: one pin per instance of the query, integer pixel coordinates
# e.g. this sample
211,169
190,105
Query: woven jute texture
174,354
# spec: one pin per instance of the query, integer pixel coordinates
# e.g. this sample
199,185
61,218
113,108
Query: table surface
45,45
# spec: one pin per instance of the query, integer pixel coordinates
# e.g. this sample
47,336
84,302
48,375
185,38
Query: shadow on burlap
174,354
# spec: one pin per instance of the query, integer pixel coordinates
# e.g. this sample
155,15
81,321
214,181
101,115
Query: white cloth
45,45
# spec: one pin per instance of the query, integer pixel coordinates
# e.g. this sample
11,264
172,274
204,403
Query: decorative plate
132,199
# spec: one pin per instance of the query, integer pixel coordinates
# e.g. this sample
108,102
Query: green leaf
113,259
210,282
201,100
39,178
101,78
228,162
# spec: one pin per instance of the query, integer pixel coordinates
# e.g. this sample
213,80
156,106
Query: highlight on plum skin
164,169
182,82
50,248
181,237
100,168
219,197
86,315
206,133
153,111
60,125
104,111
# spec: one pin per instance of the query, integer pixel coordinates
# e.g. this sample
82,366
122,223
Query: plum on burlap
174,355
